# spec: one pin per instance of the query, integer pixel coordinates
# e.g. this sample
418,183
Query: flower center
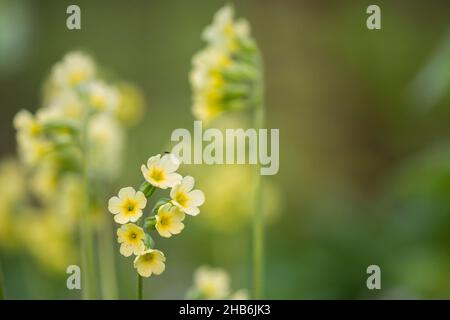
75,77
157,174
129,207
182,198
133,235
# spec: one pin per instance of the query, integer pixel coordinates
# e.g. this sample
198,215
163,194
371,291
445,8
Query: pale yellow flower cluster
42,232
214,284
129,205
79,127
225,75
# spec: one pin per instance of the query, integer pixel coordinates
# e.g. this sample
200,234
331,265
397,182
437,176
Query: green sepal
147,189
149,224
148,242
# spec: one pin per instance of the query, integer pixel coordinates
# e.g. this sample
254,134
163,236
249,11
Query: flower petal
114,205
197,198
169,163
172,180
187,183
141,199
127,192
153,160
192,211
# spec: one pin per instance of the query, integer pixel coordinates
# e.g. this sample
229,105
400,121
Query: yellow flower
26,124
185,198
127,206
212,283
102,97
241,294
224,31
75,69
150,261
169,220
131,104
131,238
160,171
33,150
106,138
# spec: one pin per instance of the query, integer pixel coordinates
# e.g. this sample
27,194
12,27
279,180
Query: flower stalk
258,214
86,233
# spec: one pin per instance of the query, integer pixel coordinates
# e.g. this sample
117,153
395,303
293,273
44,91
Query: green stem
87,241
258,218
2,293
148,191
106,255
140,288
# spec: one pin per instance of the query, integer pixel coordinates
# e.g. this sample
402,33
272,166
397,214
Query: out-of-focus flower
131,238
106,141
169,220
32,151
214,284
210,283
47,238
75,69
160,171
27,125
225,32
241,294
149,262
101,96
127,206
64,104
235,206
185,198
226,75
131,104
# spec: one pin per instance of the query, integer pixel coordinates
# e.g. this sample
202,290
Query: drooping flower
185,198
75,69
212,283
169,220
160,171
127,206
149,262
131,238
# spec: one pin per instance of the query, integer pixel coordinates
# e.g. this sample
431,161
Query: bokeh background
364,140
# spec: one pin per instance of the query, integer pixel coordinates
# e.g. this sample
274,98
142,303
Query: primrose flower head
169,220
226,75
127,206
185,198
65,104
212,283
75,69
102,97
149,262
131,238
225,31
160,171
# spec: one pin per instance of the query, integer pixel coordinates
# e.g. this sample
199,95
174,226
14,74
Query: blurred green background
364,126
